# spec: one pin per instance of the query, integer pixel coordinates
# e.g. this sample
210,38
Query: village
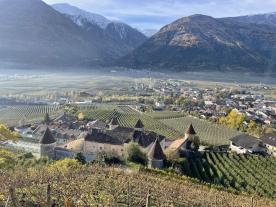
67,137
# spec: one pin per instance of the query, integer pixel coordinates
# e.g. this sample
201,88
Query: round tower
139,126
47,145
156,155
190,132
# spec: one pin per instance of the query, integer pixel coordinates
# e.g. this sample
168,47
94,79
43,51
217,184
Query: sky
153,14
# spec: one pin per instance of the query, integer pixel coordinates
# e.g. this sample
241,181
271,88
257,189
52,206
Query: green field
242,173
209,133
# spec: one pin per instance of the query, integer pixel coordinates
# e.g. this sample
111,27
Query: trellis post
148,199
14,199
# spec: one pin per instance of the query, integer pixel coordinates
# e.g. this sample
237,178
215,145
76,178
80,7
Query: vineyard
166,114
241,173
14,114
97,185
169,124
129,118
209,133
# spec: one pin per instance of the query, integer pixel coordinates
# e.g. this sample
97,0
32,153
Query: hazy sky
148,14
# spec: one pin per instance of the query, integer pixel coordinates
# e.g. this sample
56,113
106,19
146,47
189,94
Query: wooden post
252,202
148,199
48,195
128,195
14,199
7,202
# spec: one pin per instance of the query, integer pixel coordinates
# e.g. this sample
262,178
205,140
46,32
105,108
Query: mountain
31,32
269,19
149,32
125,37
78,15
201,42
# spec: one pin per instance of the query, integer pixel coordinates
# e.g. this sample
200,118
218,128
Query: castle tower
114,123
156,156
139,126
47,145
190,132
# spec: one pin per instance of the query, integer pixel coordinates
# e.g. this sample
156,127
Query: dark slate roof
146,138
245,141
156,152
114,121
65,118
139,124
101,137
47,137
121,135
190,130
97,124
269,139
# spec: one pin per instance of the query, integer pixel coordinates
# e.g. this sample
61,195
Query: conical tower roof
139,124
190,130
156,151
47,137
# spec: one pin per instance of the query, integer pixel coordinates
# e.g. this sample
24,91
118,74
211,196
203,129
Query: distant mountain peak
81,15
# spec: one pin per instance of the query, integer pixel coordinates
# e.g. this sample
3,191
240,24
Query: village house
269,141
246,144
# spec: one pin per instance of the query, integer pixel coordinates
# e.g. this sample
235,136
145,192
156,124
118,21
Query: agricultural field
12,115
129,117
239,173
211,134
166,114
97,185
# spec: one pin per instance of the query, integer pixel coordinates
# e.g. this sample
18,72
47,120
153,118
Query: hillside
120,37
201,42
33,33
268,19
97,185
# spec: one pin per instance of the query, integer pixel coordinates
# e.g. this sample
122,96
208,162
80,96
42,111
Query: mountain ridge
201,42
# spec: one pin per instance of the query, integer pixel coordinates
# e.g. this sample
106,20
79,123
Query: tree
5,134
254,129
235,120
80,116
135,154
47,119
80,158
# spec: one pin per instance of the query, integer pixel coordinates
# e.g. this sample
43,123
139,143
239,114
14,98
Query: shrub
135,154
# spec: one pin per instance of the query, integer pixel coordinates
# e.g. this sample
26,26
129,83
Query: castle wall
48,150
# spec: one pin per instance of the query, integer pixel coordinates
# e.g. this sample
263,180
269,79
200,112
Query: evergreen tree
47,119
80,158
